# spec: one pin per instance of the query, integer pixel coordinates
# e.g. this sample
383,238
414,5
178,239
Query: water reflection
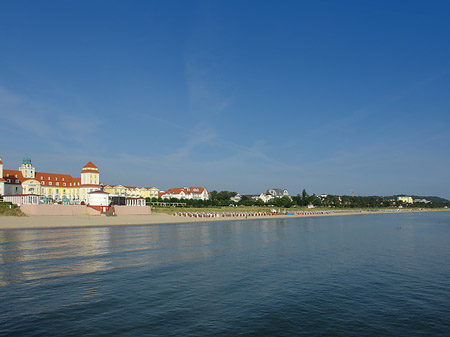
186,279
35,254
10,254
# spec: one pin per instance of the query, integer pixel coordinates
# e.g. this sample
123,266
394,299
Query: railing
166,204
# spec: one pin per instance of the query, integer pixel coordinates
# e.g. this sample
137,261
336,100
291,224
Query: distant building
132,191
253,197
407,200
265,197
192,193
278,192
425,201
236,198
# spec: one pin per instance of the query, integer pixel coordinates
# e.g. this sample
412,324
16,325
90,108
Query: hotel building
50,186
132,191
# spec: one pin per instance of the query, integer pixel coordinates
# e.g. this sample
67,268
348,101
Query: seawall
58,210
133,210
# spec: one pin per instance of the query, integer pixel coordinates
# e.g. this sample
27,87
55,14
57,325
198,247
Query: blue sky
231,95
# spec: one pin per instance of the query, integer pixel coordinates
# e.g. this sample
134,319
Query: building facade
192,193
52,187
406,199
132,191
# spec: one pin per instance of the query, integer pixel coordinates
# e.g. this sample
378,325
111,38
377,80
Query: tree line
223,198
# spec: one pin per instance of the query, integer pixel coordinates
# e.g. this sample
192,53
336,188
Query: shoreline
48,221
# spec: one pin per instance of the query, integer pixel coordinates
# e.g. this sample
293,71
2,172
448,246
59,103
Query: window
8,180
63,179
42,182
42,177
56,178
16,175
48,178
57,184
64,184
7,175
50,183
17,181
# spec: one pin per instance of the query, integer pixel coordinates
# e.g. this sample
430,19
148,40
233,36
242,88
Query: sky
327,96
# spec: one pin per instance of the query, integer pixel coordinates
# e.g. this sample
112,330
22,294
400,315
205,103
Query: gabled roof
186,190
90,165
176,190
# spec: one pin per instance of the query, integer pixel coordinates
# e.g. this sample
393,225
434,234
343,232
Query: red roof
54,178
46,179
12,176
186,190
90,165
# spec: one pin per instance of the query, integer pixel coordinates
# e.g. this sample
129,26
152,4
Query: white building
278,192
265,197
98,198
192,193
22,199
236,198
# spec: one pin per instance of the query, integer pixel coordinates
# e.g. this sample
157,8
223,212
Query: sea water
362,275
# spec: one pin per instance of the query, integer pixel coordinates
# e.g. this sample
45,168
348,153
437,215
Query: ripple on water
337,276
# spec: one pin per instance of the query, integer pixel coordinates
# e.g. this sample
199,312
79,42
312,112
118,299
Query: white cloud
46,124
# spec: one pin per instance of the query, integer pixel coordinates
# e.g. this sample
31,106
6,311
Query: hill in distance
433,199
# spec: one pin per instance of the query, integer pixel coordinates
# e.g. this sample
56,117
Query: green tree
304,194
297,200
285,201
315,200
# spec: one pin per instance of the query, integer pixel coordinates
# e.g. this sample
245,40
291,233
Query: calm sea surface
365,275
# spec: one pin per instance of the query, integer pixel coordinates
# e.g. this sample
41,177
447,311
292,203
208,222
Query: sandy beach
43,221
